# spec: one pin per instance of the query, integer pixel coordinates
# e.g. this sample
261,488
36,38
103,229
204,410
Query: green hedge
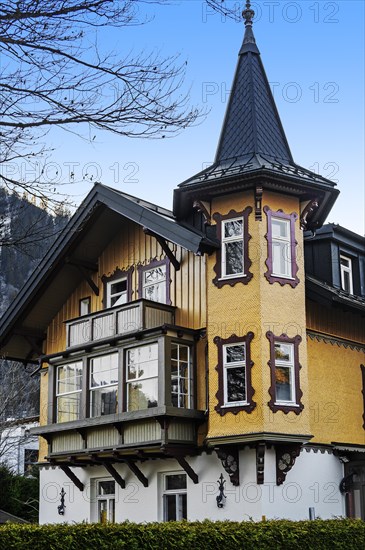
207,535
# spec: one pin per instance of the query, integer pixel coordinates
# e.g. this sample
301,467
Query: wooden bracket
258,202
230,462
66,470
137,472
200,206
286,455
188,469
112,471
308,210
84,268
260,462
165,247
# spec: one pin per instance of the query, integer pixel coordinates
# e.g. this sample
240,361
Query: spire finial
248,14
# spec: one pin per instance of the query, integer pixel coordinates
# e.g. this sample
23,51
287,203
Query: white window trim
230,240
175,492
290,365
109,295
226,367
108,498
285,240
346,269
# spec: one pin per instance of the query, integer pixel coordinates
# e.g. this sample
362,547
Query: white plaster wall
313,481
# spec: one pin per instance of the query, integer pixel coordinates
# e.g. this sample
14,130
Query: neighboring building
181,348
5,517
18,446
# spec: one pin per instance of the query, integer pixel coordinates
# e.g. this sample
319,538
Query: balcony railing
118,321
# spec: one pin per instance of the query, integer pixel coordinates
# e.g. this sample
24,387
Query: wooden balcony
118,321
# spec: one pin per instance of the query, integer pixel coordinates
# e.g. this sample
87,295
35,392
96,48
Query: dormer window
346,274
233,262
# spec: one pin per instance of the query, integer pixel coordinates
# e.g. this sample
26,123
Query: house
196,363
18,447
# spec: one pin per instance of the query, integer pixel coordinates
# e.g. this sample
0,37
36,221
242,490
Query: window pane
106,487
236,384
233,229
104,370
84,306
283,383
118,300
346,281
281,258
103,401
155,275
235,353
118,287
142,395
142,362
69,407
280,228
345,261
283,352
234,258
170,507
156,292
69,378
175,481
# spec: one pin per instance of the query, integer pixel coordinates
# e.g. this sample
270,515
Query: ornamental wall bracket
258,202
230,462
307,212
260,463
285,459
203,207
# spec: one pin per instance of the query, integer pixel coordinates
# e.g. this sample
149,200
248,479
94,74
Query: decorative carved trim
307,212
246,278
118,274
220,407
258,202
315,336
297,406
293,281
155,263
285,460
200,207
230,462
260,462
362,367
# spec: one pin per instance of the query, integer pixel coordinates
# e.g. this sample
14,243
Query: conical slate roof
252,123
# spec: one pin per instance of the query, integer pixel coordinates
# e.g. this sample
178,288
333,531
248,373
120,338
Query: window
284,364
117,288
235,391
68,392
234,376
181,376
142,377
105,498
30,459
174,497
346,274
117,292
281,260
232,259
154,282
104,385
84,306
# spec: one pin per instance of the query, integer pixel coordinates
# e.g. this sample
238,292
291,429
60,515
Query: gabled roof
253,149
96,222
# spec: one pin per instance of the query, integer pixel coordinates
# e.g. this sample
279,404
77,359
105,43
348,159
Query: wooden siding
103,437
66,442
132,248
181,431
335,322
142,432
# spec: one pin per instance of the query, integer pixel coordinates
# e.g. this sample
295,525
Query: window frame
126,380
118,275
94,389
152,265
295,405
177,492
109,497
235,407
221,278
346,269
86,301
190,377
58,394
272,277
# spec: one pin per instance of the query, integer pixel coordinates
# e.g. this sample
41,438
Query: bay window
68,392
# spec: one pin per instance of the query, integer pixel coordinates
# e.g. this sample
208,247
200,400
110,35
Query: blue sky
313,53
